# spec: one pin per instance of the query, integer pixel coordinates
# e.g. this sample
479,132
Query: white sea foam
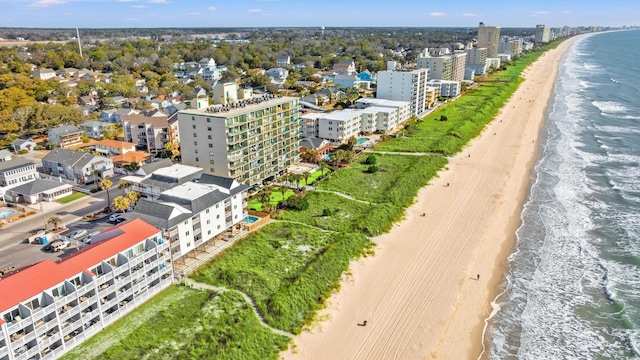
610,107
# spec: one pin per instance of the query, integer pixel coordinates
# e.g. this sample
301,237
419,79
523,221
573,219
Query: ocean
572,284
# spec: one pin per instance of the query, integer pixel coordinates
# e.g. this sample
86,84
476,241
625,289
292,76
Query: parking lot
24,254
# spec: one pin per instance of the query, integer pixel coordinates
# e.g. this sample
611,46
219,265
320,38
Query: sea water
572,287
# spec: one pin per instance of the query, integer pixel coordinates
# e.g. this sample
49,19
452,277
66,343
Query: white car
58,245
78,234
115,217
87,240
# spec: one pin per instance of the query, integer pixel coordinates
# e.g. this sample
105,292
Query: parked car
78,234
58,245
87,240
114,218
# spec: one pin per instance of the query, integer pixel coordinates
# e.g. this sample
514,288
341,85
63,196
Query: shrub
23,151
372,168
371,160
296,203
37,147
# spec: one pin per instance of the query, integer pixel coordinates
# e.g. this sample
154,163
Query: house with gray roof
17,171
39,190
195,212
22,144
95,129
5,155
65,136
77,166
162,179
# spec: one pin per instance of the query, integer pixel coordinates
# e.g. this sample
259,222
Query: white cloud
47,3
254,10
212,8
566,12
139,6
436,13
470,15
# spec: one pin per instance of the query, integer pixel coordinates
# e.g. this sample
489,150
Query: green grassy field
276,197
70,198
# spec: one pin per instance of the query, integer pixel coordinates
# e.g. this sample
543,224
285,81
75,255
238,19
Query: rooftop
382,102
31,281
115,143
14,164
241,107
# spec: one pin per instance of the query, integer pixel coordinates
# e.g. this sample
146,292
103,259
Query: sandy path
419,293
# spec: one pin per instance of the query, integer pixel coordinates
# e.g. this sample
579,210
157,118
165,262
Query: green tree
133,196
123,184
323,165
55,221
265,196
121,203
111,132
106,184
306,175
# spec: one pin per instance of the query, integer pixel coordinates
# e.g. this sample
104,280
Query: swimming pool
362,140
5,213
250,219
326,157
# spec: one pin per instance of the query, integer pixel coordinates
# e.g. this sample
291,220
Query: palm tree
106,184
295,178
123,184
121,203
96,172
264,196
55,221
322,165
306,175
133,197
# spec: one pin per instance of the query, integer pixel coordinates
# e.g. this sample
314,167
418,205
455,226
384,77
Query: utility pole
43,217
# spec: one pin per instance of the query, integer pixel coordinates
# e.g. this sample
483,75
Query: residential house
95,129
17,171
65,136
321,146
172,109
152,166
345,67
282,61
39,190
119,100
22,144
108,115
204,62
87,100
44,74
5,155
138,157
278,75
194,213
150,133
50,307
77,166
109,147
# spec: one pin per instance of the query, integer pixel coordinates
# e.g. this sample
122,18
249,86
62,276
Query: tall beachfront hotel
489,37
250,139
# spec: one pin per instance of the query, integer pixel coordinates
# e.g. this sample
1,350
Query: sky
315,13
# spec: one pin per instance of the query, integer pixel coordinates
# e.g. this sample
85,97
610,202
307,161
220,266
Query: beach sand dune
420,293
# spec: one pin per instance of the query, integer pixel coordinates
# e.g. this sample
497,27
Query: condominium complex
372,115
150,133
446,88
250,141
408,86
50,307
543,34
489,37
458,66
510,46
445,67
191,210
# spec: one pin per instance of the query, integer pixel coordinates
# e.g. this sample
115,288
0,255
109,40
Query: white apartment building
250,141
489,37
154,184
510,46
195,212
408,86
439,67
543,34
50,307
493,63
309,125
446,88
150,133
477,56
17,171
403,108
338,126
458,67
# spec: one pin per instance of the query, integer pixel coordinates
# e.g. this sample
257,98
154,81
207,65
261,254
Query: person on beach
478,278
365,323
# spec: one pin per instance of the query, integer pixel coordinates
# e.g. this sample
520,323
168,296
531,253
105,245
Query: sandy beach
420,293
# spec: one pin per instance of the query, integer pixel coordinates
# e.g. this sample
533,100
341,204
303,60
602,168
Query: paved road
13,250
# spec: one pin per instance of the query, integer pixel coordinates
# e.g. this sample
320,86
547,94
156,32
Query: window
207,211
208,119
193,118
186,222
217,206
209,232
218,216
210,145
186,234
212,169
195,143
218,227
211,162
194,126
195,151
188,244
197,159
208,221
209,129
210,153
210,137
195,135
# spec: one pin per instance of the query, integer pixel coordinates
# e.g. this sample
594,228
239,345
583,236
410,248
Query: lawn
276,197
185,324
75,196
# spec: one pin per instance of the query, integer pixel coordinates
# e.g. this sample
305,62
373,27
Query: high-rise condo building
489,37
543,34
249,140
408,86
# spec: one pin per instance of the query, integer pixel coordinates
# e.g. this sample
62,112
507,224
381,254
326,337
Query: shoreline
419,292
